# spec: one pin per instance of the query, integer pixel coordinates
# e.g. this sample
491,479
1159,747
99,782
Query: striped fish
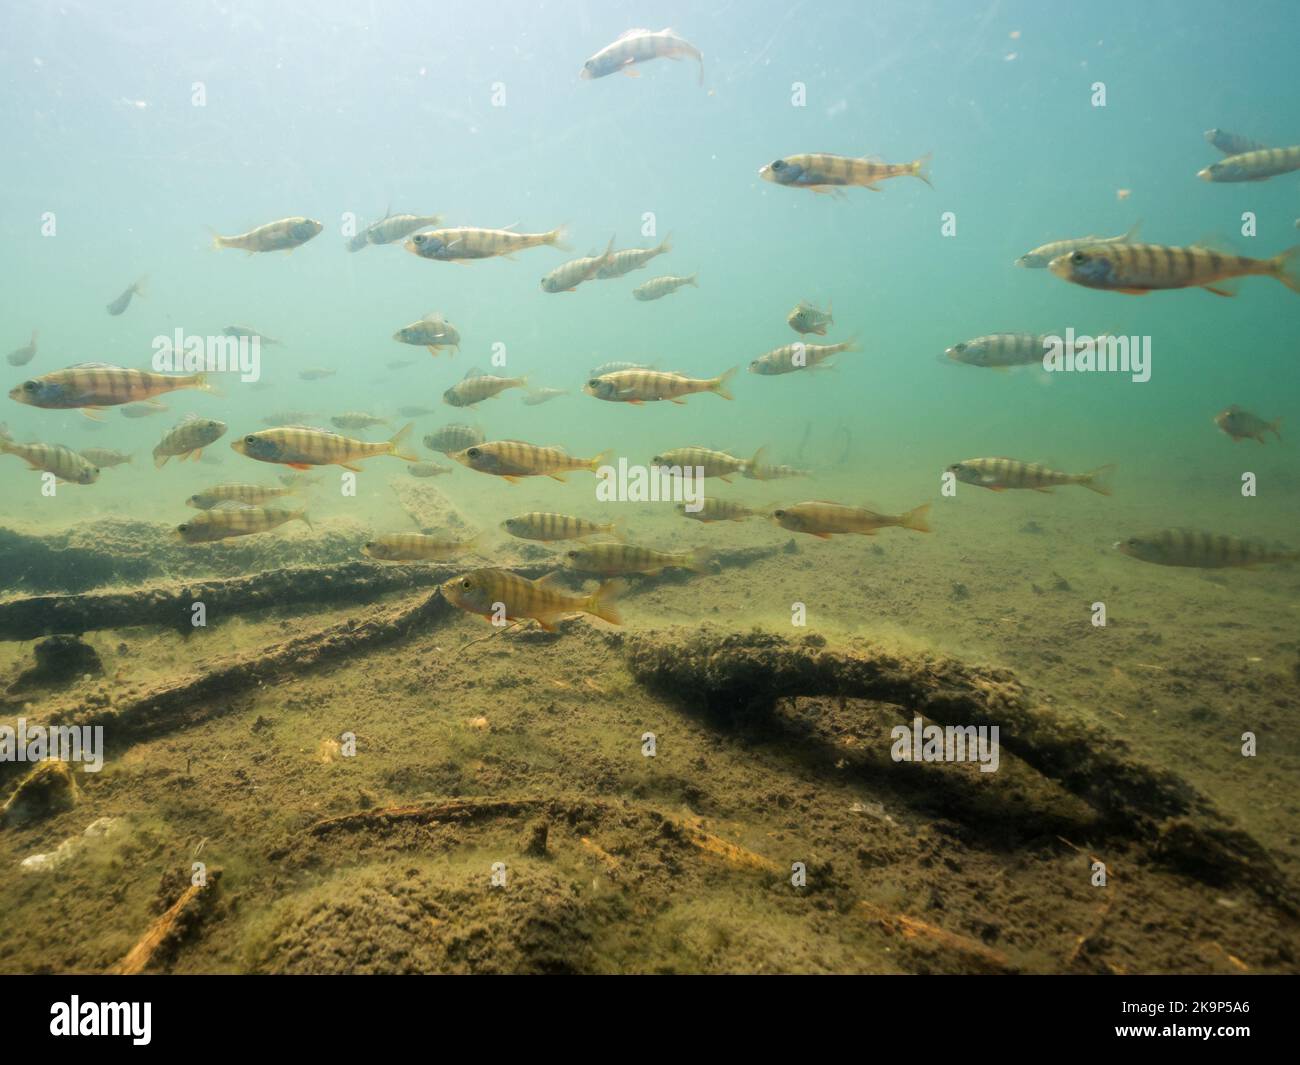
498,593
236,492
1253,166
624,262
143,410
66,465
998,351
1137,269
476,386
649,386
188,439
612,559
546,526
513,459
93,385
659,287
717,510
823,172
1000,474
302,446
1040,257
717,464
1242,424
790,358
639,46
433,331
392,227
760,472
356,419
416,547
568,276
221,523
1232,143
104,457
427,469
284,235
822,519
453,438
465,243
1202,550
805,318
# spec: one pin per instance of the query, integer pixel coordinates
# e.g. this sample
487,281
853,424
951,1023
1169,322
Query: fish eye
959,347
418,238
182,528
250,440
778,513
1078,257
779,164
29,386
467,584
472,452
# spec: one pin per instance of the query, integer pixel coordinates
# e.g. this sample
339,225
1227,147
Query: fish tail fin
1127,238
1098,480
666,245
851,344
719,383
597,461
301,515
756,464
397,443
699,560
694,279
218,241
603,602
1286,268
920,168
558,238
141,286
1275,427
201,382
917,519
160,461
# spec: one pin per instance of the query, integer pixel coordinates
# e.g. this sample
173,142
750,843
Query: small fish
822,519
712,463
284,235
136,288
639,46
357,420
717,510
513,459
1000,351
805,318
1202,550
416,412
316,373
540,525
826,173
392,227
400,364
91,386
142,410
568,276
1232,143
234,492
498,593
66,465
1136,269
289,417
1000,474
1253,166
187,439
624,262
649,386
22,356
433,331
301,446
476,386
242,332
454,438
221,523
790,358
537,396
759,472
416,547
659,287
615,559
1242,424
1040,257
466,243
427,469
104,457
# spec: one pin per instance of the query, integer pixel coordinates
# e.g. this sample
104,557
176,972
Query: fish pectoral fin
92,413
548,622
558,477
822,536
433,349
509,479
1045,491
298,465
1222,288
1132,291
354,469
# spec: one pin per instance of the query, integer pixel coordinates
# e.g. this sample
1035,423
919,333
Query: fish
433,331
1201,550
392,227
1136,269
143,410
629,259
1253,166
400,364
760,472
544,526
136,288
806,318
717,464
826,173
1232,143
104,457
316,373
717,510
659,287
66,465
416,412
188,439
357,420
1000,351
822,519
1040,257
537,396
498,593
238,493
466,243
650,386
284,235
302,446
416,547
454,438
288,417
639,46
91,386
1242,424
513,459
614,559
999,474
790,358
221,523
245,332
22,356
427,469
568,276
476,386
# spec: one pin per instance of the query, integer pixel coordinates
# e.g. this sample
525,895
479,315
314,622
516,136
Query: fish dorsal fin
313,428
1216,242
548,580
96,366
637,32
473,371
